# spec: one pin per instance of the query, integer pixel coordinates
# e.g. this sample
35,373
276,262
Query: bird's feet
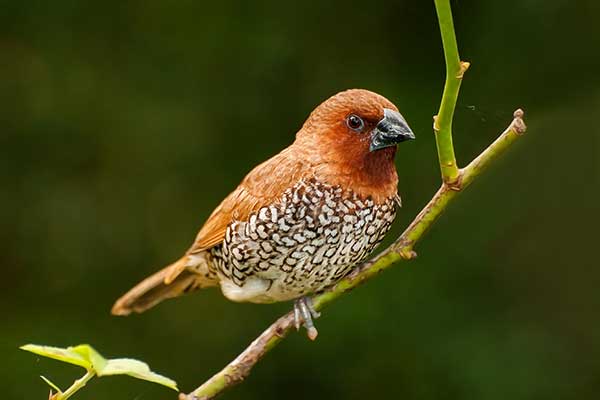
304,313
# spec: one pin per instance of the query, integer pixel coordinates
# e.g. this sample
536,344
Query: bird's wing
261,187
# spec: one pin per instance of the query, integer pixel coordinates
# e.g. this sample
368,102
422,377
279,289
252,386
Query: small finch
300,221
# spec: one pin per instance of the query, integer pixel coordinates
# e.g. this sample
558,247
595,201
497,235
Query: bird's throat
378,172
369,175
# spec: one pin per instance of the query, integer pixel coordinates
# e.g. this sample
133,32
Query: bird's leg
304,312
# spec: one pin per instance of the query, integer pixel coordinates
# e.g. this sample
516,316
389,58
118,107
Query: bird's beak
392,129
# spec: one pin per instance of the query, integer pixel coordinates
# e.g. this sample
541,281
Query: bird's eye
355,122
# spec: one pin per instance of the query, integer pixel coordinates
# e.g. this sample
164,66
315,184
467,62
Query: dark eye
355,122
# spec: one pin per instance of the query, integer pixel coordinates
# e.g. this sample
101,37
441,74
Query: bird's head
361,120
354,133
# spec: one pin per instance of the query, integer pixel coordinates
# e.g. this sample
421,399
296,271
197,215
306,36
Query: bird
300,221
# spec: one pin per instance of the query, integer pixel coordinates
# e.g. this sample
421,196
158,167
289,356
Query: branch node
436,128
455,185
464,66
518,124
279,332
407,253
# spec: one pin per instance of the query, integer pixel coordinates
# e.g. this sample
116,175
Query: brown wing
261,187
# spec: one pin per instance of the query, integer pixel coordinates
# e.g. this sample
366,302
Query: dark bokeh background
123,123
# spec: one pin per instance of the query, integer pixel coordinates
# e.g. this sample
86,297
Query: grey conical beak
391,130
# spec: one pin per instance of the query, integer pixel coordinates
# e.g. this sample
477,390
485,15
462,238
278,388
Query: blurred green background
124,123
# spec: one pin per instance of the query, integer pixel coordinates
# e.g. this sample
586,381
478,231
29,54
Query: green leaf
137,369
85,356
92,356
68,355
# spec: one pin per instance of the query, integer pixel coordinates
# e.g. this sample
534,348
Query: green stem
78,384
455,69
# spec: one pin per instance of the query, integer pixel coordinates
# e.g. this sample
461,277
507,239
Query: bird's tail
183,276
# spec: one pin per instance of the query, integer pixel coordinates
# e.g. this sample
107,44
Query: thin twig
454,180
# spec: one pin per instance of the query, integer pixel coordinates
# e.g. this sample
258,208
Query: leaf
136,369
85,356
68,355
87,352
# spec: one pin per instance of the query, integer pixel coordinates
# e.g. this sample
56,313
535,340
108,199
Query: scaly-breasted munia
300,221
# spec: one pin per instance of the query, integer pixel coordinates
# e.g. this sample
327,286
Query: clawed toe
304,313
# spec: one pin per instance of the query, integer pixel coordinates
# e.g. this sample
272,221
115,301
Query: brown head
351,140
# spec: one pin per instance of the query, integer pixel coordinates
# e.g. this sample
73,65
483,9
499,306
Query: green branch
77,385
455,69
454,180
